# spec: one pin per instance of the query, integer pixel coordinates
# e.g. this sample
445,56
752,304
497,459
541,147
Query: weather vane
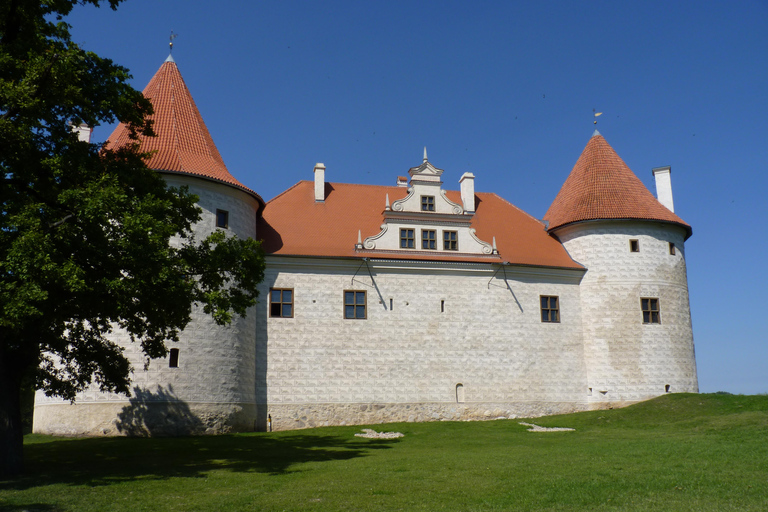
173,36
596,115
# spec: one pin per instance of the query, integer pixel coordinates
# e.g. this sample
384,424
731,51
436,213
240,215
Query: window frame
173,357
428,203
282,302
447,243
548,312
672,249
634,245
426,241
405,238
219,213
651,316
355,304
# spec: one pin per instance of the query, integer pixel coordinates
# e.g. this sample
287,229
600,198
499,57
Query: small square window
450,240
650,309
428,239
222,219
672,248
354,305
281,303
427,203
407,240
550,309
634,246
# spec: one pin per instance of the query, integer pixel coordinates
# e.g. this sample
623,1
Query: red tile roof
183,144
294,224
602,186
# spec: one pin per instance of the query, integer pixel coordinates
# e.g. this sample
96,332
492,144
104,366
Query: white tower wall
628,360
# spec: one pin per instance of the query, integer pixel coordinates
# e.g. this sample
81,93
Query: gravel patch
538,428
372,434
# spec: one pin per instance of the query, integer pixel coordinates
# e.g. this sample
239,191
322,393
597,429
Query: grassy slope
678,452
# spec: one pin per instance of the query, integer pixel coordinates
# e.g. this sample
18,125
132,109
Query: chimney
467,183
402,181
83,132
663,177
319,182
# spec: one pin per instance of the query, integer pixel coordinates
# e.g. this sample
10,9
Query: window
450,240
550,310
281,303
650,309
634,246
407,240
222,219
427,203
173,360
428,239
354,304
671,248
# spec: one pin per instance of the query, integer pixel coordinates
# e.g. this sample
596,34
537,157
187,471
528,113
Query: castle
410,302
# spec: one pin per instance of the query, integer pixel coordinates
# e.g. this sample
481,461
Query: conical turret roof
601,186
183,144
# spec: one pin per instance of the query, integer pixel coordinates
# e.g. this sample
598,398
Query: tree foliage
90,239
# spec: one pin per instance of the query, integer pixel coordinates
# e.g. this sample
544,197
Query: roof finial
596,115
425,153
173,36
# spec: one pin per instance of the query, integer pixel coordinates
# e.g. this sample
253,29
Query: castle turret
207,383
634,297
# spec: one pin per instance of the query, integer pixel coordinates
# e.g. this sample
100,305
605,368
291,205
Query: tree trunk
11,429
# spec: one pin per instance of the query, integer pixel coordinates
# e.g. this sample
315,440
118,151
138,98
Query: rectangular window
222,219
428,239
281,303
354,304
173,360
427,203
650,309
671,248
634,246
450,240
407,240
550,309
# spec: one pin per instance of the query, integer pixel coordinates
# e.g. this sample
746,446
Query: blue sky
504,90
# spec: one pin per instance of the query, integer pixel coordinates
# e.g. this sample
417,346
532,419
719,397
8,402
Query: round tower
636,318
207,382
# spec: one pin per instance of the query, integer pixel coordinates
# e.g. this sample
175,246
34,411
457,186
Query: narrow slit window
391,304
634,246
442,306
672,248
173,359
222,219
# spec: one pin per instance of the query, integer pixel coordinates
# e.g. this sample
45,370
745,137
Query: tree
90,239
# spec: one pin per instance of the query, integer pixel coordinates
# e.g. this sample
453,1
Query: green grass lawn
678,452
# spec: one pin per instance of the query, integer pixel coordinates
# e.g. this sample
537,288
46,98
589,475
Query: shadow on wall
158,413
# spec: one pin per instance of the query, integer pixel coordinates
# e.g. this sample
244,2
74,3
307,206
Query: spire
183,144
425,154
601,186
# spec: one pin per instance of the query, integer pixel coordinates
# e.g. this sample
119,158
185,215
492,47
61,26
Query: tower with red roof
638,341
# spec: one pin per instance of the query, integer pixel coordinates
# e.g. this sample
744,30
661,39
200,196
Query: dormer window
428,239
407,240
427,203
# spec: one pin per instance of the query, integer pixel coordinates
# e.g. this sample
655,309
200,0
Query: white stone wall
404,363
627,360
212,389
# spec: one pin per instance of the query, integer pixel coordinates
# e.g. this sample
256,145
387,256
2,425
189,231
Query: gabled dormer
426,221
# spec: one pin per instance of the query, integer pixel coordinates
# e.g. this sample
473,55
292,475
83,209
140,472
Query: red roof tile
602,186
294,224
183,143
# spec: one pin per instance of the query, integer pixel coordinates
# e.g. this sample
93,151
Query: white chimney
319,182
663,177
83,132
467,182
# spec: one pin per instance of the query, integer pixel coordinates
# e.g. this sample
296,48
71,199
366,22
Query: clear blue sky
501,89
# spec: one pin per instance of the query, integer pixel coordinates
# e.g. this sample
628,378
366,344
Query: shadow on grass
105,461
